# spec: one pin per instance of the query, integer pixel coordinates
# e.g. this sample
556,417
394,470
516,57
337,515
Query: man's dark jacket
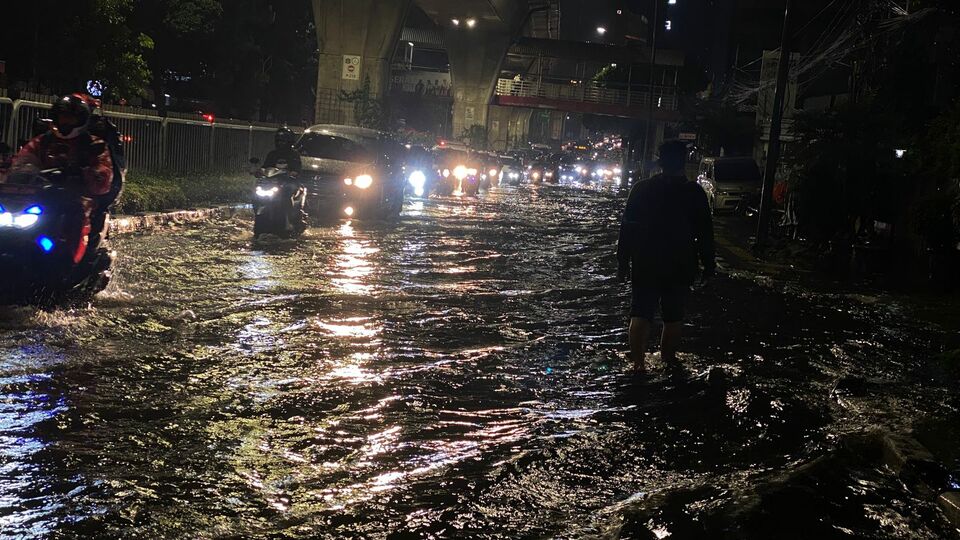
288,155
666,229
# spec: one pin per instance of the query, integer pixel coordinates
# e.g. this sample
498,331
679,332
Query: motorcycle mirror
254,161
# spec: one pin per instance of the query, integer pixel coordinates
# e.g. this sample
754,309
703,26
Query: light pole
655,23
776,121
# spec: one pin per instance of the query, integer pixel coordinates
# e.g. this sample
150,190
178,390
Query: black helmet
284,138
70,114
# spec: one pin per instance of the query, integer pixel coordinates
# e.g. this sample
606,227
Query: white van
729,180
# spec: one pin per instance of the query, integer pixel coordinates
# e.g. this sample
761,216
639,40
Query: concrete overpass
357,40
498,79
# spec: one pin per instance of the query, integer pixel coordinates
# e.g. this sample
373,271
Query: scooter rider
69,145
286,158
284,155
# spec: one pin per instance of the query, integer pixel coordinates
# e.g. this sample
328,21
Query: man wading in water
666,228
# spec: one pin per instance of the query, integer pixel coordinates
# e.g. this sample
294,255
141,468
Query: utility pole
655,23
776,124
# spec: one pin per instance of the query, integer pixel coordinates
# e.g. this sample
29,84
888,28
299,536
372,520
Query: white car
728,181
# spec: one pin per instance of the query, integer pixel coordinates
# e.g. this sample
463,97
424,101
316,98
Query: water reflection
27,402
354,263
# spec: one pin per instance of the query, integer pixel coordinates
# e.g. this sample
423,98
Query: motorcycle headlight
617,170
267,192
25,221
363,181
460,172
493,172
417,180
446,173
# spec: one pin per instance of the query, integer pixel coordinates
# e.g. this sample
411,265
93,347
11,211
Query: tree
368,111
476,137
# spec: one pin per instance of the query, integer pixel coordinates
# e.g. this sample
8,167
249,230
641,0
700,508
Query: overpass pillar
475,61
356,41
507,127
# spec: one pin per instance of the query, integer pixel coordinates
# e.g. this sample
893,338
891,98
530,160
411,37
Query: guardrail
665,96
153,143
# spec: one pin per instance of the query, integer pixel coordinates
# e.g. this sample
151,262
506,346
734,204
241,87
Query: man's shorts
671,299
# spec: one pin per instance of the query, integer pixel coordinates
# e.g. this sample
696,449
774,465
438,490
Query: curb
140,223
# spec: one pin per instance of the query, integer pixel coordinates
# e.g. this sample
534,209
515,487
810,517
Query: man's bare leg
670,341
639,336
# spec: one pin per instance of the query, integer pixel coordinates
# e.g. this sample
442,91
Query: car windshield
317,145
509,161
740,170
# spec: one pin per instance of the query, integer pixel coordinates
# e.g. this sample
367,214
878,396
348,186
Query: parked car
350,171
728,181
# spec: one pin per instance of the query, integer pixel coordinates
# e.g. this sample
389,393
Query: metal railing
638,95
174,144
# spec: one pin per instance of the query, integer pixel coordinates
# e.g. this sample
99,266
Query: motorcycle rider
284,155
83,158
286,158
69,145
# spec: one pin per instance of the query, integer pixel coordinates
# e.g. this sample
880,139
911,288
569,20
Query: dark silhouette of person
666,229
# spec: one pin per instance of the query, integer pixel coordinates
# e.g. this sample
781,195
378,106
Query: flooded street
458,374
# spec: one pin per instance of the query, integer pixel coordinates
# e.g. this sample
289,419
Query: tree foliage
476,137
368,110
247,58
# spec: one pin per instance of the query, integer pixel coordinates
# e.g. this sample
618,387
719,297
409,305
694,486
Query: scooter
48,256
278,203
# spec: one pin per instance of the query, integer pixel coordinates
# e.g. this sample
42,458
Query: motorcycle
278,203
48,255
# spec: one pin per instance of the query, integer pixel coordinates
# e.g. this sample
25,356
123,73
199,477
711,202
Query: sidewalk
929,468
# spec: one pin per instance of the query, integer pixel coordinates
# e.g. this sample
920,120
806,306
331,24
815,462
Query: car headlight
363,181
417,180
267,193
617,171
493,172
460,172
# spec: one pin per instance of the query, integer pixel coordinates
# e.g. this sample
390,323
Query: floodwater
457,374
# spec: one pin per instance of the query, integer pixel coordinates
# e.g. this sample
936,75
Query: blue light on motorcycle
34,210
45,243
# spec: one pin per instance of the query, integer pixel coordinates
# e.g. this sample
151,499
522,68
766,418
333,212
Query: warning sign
351,67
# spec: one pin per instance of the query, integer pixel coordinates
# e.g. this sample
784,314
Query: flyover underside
640,112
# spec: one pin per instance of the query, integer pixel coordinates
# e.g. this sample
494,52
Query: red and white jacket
49,151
